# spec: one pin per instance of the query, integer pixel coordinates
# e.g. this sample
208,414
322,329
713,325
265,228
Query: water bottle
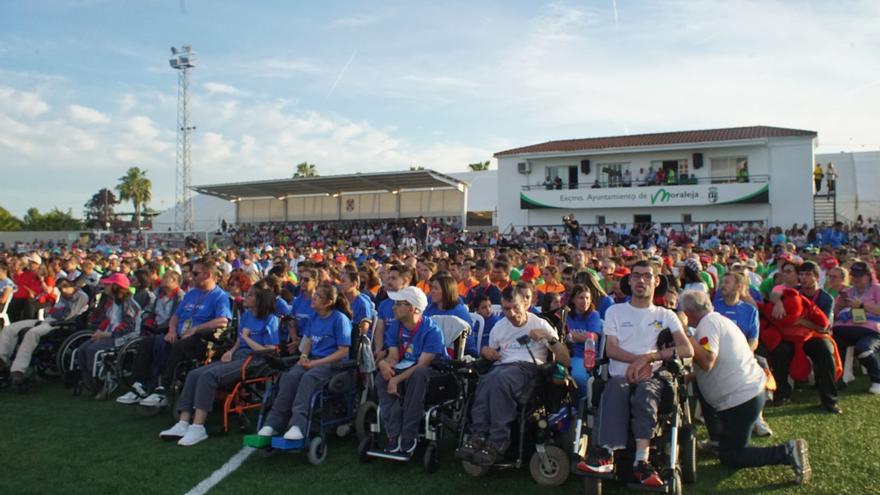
590,350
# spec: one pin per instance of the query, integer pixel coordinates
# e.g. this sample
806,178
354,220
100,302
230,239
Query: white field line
225,470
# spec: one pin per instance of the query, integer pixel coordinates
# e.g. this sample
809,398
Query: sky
86,90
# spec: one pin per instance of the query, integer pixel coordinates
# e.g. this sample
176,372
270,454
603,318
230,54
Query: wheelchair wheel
592,486
125,362
366,416
554,471
474,470
317,450
64,360
431,460
363,448
688,459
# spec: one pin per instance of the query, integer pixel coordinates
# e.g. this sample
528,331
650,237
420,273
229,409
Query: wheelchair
332,408
673,450
446,402
543,426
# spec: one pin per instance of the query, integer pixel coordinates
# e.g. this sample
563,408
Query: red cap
829,262
530,273
621,272
117,279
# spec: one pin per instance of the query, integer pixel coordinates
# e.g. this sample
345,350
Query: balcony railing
687,181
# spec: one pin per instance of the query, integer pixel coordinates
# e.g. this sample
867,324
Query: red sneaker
646,475
600,461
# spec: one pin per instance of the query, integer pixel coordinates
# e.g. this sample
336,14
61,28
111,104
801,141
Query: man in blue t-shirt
413,342
728,303
204,309
399,276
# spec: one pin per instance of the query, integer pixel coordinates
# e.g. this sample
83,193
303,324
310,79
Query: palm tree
135,186
480,166
306,169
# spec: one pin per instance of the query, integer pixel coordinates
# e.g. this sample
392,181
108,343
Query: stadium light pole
183,60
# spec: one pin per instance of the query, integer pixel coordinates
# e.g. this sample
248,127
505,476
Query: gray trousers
202,382
495,401
85,355
402,414
291,406
621,408
9,338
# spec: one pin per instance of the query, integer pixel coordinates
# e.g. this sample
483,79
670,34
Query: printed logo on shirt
704,343
656,325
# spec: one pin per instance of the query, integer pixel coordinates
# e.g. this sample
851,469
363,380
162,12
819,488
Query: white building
858,183
538,184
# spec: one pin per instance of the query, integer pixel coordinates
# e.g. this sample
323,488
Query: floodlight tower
183,60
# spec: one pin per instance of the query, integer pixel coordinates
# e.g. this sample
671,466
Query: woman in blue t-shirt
444,299
257,331
582,320
601,300
327,339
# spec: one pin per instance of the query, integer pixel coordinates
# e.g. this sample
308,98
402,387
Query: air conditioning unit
524,167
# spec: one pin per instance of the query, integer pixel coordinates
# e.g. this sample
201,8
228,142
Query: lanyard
403,345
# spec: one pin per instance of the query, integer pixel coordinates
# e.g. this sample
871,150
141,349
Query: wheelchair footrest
281,443
257,441
392,457
666,488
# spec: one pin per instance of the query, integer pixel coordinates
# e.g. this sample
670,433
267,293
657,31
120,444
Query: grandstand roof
332,184
658,139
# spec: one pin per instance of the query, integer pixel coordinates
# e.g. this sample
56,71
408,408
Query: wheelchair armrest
281,363
63,323
344,365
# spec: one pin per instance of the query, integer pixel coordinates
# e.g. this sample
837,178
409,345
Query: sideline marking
225,470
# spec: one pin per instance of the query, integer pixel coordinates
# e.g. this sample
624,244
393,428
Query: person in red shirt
25,300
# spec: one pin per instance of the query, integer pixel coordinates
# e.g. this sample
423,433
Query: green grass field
55,443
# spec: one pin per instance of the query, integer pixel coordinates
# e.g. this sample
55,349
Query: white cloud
355,21
23,103
87,115
216,88
127,102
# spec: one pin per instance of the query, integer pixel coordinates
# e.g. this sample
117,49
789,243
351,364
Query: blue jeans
579,373
867,347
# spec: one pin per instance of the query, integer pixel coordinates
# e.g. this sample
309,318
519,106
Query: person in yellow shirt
818,175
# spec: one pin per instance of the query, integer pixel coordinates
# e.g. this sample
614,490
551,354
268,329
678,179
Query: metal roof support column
237,212
397,205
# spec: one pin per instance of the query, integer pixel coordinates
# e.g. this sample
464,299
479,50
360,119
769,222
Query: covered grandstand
358,196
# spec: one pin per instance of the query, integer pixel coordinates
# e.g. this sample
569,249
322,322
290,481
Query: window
615,174
600,219
724,170
686,218
680,167
565,175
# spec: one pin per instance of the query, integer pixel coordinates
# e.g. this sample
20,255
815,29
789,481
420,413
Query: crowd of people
757,309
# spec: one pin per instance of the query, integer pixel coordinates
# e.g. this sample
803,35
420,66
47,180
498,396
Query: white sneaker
139,389
176,431
762,429
154,400
194,434
294,433
267,431
129,398
874,389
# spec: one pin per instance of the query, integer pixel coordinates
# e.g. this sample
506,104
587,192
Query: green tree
99,209
134,186
416,167
480,166
8,221
306,169
54,219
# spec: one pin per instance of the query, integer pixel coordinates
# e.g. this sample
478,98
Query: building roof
332,184
658,139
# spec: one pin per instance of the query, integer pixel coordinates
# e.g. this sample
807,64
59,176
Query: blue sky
86,90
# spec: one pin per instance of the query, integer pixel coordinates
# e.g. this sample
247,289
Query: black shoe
798,457
646,475
408,447
833,408
466,451
486,456
780,401
16,378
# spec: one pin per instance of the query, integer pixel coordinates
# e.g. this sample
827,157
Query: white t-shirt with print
504,334
736,376
636,330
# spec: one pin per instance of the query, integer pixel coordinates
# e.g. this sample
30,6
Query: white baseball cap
412,295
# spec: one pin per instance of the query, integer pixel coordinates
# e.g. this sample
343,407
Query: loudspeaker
698,160
585,167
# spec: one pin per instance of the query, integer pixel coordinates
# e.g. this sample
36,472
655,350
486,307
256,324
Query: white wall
786,160
858,183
